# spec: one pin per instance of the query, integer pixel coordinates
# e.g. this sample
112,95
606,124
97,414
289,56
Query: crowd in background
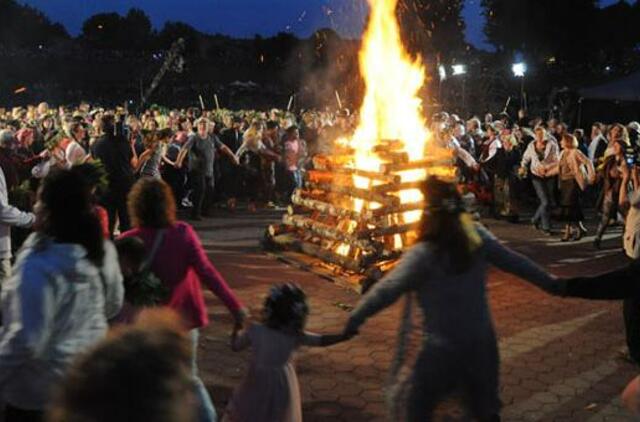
499,159
206,157
216,158
77,177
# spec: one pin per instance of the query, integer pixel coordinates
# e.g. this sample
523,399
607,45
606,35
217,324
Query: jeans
544,191
292,181
203,192
206,411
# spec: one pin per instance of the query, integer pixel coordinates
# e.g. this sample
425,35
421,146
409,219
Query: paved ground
560,358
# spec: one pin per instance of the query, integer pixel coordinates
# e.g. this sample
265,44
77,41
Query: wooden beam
415,165
328,232
397,187
365,194
325,207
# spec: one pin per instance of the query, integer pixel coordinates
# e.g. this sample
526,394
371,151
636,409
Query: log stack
354,231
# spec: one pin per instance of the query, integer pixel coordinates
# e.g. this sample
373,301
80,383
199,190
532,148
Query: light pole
519,71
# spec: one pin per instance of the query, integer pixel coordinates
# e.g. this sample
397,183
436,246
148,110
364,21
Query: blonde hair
205,121
570,140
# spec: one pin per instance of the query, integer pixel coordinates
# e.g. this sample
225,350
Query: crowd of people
500,159
207,157
98,192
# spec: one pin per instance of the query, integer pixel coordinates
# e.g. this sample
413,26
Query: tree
542,29
138,25
433,27
174,30
105,31
619,32
23,26
280,48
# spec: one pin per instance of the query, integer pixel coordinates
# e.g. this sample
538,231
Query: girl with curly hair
270,390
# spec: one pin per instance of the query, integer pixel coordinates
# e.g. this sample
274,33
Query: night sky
244,18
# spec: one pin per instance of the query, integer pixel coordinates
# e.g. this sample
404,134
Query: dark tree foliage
541,27
24,26
114,32
105,31
140,30
174,30
571,32
434,27
618,30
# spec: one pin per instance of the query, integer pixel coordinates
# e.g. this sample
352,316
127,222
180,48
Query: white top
530,156
68,300
10,216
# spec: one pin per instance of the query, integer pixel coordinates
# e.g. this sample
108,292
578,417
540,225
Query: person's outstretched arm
210,276
404,277
9,214
517,264
322,340
615,285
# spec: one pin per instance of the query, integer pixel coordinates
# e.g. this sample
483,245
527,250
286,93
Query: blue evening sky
244,18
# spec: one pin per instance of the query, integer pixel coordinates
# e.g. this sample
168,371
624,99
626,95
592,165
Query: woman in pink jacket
181,264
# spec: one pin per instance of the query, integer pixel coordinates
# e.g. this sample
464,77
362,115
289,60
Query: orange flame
391,110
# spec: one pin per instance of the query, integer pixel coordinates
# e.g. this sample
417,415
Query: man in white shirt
598,143
9,215
541,153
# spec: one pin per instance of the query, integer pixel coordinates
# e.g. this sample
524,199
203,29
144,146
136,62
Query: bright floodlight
443,72
459,69
519,69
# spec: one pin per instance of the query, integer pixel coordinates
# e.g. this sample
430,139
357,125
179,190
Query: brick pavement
559,357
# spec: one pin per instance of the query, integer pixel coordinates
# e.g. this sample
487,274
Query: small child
270,390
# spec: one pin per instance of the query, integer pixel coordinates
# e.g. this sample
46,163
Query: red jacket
182,264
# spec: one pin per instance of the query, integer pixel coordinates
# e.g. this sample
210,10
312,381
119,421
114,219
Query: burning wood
362,205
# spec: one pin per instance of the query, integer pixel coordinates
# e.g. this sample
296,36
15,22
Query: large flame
391,112
392,109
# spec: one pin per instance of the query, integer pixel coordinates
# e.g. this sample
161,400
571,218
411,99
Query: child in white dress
270,390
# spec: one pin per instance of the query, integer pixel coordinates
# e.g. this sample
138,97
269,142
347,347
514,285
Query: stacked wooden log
355,230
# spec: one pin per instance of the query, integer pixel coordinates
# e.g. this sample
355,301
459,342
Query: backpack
144,288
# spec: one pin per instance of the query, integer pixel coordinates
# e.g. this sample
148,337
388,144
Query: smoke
325,64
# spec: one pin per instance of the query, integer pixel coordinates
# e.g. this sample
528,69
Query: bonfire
362,205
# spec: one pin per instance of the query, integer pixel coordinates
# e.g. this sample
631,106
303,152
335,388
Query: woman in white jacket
576,172
66,284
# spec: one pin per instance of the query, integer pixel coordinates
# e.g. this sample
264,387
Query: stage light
519,69
459,69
